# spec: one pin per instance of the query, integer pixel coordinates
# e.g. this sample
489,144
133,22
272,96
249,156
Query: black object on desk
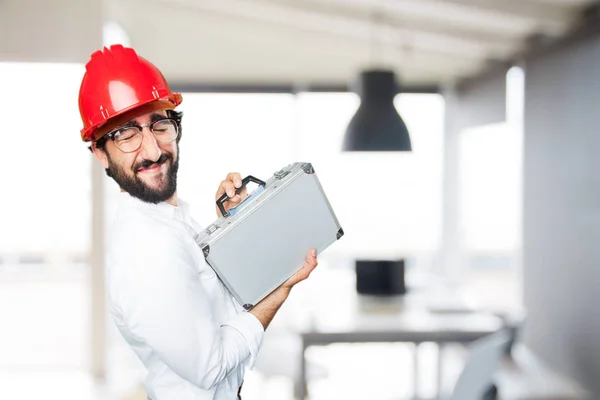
380,277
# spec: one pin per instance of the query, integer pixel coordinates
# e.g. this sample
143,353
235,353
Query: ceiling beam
552,17
354,28
184,87
478,18
364,10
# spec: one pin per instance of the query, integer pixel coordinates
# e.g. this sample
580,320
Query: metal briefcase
259,244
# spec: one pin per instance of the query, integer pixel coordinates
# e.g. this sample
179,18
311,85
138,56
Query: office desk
346,317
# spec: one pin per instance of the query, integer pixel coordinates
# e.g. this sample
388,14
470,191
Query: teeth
150,167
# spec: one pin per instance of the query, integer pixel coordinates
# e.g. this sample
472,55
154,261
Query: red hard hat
117,80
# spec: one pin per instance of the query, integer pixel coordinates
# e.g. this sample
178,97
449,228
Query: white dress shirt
169,305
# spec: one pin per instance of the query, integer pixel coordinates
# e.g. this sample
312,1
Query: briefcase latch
211,228
281,173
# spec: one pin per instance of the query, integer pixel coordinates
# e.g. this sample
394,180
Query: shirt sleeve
167,307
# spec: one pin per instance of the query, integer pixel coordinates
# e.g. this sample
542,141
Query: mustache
148,163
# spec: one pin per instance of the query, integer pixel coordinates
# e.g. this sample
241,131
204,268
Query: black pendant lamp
377,126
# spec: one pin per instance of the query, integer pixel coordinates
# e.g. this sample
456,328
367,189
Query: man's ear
100,155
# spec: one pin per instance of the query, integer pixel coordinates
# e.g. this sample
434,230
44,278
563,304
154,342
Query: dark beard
137,188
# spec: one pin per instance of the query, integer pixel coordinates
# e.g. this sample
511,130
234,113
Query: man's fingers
235,178
311,257
226,187
310,264
306,269
299,276
309,267
303,273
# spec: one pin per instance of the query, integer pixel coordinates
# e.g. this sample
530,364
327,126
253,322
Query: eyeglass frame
100,143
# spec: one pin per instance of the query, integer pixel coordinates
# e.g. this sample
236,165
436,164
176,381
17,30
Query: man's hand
303,273
229,185
267,308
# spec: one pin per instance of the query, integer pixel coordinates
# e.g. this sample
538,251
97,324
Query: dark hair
176,115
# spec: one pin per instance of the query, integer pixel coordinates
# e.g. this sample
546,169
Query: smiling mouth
151,168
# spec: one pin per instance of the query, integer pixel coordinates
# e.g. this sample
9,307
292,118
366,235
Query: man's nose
150,149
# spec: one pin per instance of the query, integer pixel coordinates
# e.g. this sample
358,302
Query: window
45,182
490,176
44,218
490,211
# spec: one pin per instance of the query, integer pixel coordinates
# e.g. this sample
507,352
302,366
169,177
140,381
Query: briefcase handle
224,197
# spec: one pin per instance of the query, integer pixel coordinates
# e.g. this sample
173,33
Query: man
168,304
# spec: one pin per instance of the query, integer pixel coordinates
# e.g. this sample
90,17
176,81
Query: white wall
561,254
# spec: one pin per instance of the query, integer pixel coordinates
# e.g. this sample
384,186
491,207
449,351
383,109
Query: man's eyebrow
127,124
157,117
153,118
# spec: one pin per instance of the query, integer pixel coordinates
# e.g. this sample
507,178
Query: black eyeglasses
129,139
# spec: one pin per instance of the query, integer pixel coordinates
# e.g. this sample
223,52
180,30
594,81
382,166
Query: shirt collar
181,212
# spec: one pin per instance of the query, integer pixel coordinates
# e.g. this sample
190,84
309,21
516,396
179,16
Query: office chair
476,379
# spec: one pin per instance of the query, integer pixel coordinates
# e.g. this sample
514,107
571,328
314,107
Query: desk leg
416,371
301,389
440,371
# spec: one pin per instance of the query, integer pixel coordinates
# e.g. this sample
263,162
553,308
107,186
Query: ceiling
293,43
326,42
